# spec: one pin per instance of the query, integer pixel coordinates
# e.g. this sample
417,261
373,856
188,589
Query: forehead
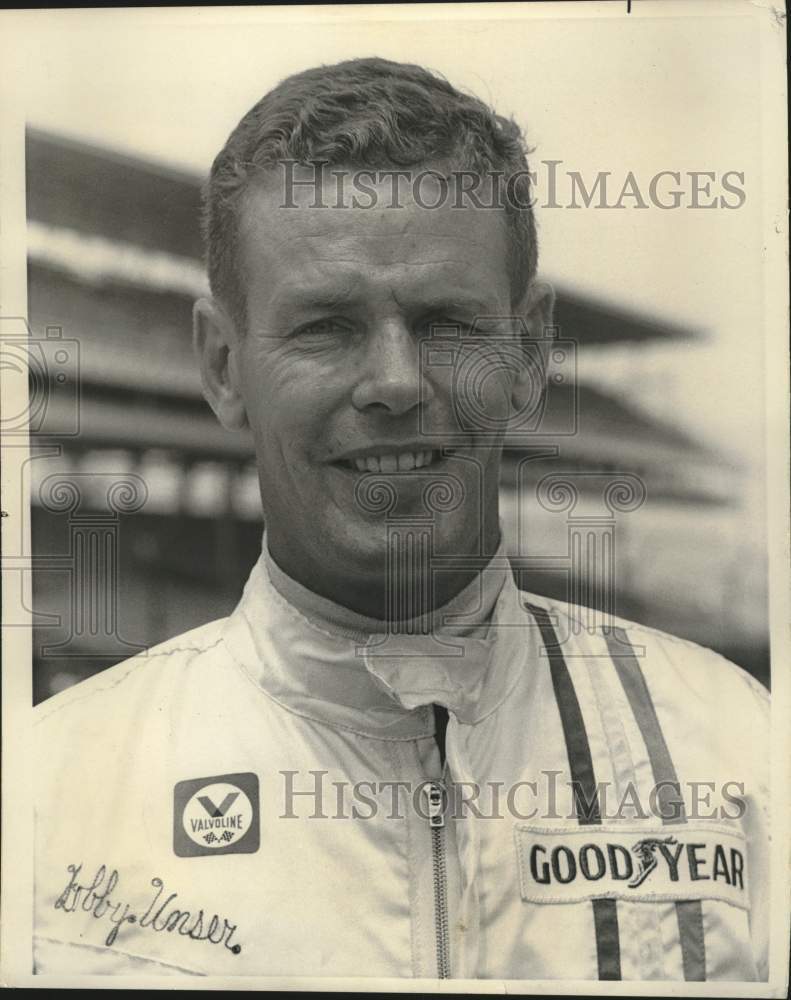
390,237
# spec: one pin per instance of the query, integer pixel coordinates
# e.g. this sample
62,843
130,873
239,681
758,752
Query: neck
411,593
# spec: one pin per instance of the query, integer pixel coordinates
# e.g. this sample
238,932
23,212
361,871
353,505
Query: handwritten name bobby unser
96,897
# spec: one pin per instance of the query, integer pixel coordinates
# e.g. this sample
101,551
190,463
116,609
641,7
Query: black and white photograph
395,498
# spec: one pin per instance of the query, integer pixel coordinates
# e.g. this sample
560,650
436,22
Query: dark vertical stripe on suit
586,800
689,913
608,944
693,943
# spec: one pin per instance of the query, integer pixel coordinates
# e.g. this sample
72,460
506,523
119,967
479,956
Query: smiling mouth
403,461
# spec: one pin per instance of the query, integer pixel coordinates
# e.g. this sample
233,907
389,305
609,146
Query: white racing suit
266,796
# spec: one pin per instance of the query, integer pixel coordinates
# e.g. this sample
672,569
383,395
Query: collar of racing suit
335,666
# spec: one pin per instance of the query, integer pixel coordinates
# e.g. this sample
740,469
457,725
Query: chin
356,546
366,545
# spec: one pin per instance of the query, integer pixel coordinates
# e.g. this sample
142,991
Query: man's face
331,372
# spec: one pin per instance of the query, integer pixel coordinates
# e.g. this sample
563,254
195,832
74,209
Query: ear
535,310
216,343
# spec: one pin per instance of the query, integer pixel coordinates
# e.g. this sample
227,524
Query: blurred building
114,264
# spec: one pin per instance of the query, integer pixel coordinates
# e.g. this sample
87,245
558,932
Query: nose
391,379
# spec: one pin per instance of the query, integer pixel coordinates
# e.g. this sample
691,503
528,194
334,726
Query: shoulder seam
658,634
44,716
565,610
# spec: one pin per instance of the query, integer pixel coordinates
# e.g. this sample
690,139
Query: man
388,761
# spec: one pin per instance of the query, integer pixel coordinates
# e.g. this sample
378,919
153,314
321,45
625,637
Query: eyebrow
309,298
449,303
328,299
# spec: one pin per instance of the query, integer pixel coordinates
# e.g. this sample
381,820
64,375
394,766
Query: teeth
403,462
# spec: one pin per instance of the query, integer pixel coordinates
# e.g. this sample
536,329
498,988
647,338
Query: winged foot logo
645,852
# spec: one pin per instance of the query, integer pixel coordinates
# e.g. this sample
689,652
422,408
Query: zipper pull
436,811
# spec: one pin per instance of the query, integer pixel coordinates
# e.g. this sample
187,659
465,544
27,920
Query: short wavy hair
364,113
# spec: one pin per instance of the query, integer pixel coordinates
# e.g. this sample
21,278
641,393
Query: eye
324,329
445,329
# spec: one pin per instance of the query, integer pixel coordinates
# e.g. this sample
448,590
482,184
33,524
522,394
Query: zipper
436,820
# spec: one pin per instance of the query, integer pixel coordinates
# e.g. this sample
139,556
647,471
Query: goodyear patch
684,861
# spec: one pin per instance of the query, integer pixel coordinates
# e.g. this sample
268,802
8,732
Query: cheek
291,419
497,393
483,408
481,386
